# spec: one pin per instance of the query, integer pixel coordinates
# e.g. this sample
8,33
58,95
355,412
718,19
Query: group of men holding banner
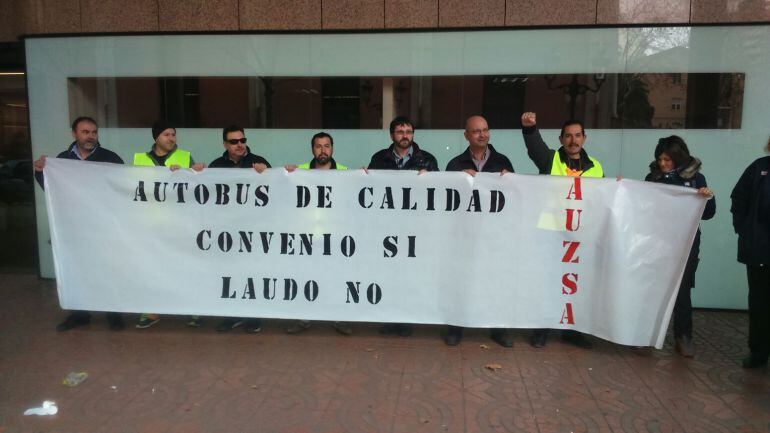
570,159
402,154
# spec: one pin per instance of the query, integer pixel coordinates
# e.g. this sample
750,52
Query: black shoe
577,338
342,328
388,329
453,336
404,330
298,326
751,362
395,329
253,326
683,346
73,321
229,324
116,321
502,337
539,338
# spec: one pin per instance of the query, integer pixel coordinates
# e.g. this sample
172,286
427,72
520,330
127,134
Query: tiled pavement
174,379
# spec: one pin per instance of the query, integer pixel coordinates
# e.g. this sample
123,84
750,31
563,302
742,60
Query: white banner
600,256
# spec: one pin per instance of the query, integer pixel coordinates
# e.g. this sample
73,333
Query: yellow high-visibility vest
306,166
178,157
559,168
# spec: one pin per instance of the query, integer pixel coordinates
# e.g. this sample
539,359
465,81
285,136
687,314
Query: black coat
99,155
245,162
751,213
420,160
496,163
689,176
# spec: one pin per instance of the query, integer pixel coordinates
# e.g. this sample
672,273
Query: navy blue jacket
751,213
99,155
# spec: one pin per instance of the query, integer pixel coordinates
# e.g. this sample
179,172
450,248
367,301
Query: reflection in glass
17,220
602,101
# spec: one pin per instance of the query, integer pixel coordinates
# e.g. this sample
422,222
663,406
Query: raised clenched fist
528,119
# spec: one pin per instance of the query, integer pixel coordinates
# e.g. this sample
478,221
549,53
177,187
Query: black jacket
751,213
688,176
99,155
420,160
496,163
542,156
245,162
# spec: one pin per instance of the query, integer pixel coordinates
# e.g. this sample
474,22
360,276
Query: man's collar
74,150
469,155
409,151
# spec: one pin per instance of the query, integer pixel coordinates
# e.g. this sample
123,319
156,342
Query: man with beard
403,154
570,160
480,156
322,147
238,155
86,147
164,152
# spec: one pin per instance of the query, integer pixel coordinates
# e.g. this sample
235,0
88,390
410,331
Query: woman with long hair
674,165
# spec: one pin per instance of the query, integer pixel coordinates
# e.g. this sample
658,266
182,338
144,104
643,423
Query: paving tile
174,379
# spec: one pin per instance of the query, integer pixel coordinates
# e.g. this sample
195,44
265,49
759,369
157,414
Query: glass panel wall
631,86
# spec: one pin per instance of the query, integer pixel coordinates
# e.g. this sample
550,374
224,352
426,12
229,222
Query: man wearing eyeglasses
480,156
238,155
569,160
403,154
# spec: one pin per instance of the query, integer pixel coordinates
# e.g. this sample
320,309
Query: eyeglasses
479,131
237,140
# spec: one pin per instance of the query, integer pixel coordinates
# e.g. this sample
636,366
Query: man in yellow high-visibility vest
164,152
569,160
322,146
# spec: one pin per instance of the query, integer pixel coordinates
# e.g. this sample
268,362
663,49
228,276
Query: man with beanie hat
165,152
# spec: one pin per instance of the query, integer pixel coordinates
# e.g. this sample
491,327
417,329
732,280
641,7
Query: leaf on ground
493,367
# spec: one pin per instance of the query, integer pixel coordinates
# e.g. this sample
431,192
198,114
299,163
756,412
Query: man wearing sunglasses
238,155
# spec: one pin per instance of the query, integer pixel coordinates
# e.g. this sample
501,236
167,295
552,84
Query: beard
404,143
323,159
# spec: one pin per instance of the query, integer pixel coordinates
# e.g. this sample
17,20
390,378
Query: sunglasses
237,140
